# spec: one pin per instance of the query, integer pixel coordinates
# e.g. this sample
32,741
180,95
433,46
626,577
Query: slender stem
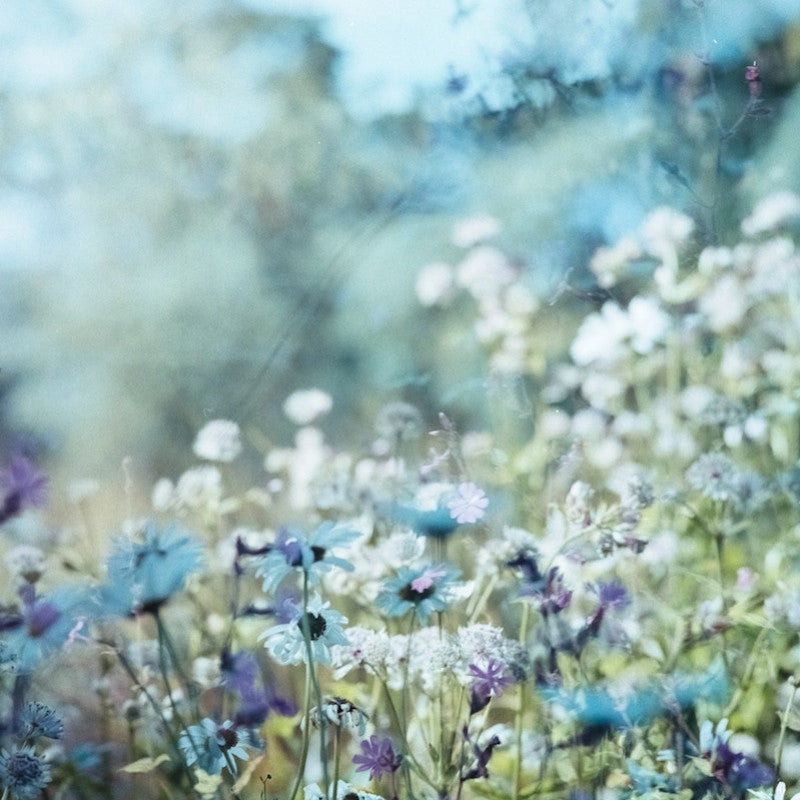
337,736
782,736
301,767
523,636
164,636
310,669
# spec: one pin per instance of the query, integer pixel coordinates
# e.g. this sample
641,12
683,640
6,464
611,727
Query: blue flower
142,577
213,747
41,625
312,554
23,773
40,721
423,590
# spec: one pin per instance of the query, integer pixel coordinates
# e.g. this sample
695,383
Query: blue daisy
423,590
312,554
143,576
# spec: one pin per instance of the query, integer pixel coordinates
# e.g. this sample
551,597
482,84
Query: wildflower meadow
557,558
601,603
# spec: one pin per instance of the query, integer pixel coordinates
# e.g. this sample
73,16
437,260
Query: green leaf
146,764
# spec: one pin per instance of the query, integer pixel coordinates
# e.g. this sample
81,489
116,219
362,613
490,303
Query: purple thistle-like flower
487,683
377,756
24,487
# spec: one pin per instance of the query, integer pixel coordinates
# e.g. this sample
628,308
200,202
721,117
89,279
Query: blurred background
205,206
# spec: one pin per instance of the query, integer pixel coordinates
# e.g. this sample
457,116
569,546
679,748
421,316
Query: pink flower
425,581
469,505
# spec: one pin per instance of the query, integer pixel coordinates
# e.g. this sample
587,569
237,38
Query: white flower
484,272
609,264
469,505
286,642
307,405
199,486
601,336
772,212
434,285
474,230
343,791
26,562
163,495
648,324
218,440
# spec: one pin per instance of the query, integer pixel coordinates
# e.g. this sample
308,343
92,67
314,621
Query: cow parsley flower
218,440
23,773
286,642
423,590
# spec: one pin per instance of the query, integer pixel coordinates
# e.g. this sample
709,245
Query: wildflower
344,791
474,230
341,713
142,577
41,625
715,475
482,754
38,720
240,673
772,212
26,562
423,590
399,422
469,505
287,643
212,747
487,682
307,405
434,284
377,756
218,440
23,773
314,555
24,487
753,78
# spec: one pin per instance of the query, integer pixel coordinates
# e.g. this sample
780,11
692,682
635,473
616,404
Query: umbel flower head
143,576
423,590
287,642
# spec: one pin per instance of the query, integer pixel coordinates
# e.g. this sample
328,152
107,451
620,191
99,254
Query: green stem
306,628
301,768
782,736
523,636
337,736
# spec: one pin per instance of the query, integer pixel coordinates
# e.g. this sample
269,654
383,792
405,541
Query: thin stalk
301,768
782,736
523,636
337,737
306,628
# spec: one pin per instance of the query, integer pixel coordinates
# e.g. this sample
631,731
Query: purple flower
377,756
24,487
487,683
612,596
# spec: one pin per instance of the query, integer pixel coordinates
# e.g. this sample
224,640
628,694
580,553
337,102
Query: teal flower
313,554
23,773
143,576
423,590
213,747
